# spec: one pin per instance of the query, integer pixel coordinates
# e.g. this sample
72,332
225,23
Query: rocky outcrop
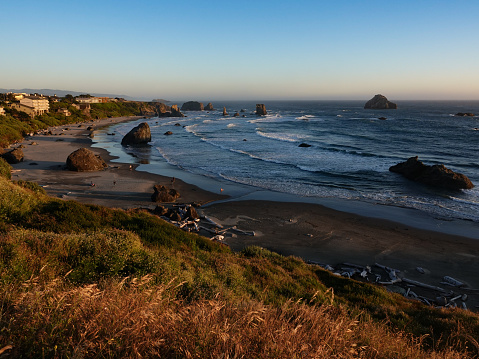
436,175
83,160
192,106
261,109
140,135
304,145
380,102
209,107
163,110
163,194
14,156
464,114
224,112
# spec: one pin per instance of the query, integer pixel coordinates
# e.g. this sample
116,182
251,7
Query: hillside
88,281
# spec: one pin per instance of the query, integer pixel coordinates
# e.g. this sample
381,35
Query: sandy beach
310,231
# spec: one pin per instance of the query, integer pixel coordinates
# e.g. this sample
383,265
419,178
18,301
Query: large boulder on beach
192,106
436,175
164,194
380,102
261,109
14,156
83,160
140,135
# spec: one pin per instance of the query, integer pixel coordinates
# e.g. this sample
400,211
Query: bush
5,169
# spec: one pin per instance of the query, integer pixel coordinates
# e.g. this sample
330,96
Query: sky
236,50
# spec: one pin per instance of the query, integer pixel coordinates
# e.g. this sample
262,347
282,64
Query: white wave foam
280,136
305,117
230,125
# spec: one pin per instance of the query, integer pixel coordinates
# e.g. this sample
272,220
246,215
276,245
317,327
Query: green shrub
5,169
32,186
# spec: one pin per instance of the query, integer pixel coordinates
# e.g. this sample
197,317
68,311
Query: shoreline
311,231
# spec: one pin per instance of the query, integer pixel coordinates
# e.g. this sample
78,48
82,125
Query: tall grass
133,318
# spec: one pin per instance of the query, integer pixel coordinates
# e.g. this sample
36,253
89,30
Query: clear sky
207,50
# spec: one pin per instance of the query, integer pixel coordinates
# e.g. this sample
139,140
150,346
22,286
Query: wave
281,136
305,117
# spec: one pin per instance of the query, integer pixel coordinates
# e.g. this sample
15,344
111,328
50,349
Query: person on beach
92,184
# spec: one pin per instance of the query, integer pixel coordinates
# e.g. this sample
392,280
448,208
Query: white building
88,100
2,111
39,105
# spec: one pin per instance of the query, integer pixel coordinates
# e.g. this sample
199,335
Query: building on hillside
104,99
2,111
88,100
38,104
64,111
19,95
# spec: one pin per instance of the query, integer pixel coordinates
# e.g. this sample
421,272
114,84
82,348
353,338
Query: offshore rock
380,102
209,107
192,106
140,135
436,175
261,109
163,110
84,160
13,156
163,194
464,114
224,112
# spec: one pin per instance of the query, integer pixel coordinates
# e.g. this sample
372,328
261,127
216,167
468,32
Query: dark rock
89,128
209,107
436,175
243,110
382,118
13,156
380,102
163,194
191,213
304,145
160,210
224,112
177,124
236,114
83,160
192,106
168,133
464,114
163,110
139,135
175,216
261,109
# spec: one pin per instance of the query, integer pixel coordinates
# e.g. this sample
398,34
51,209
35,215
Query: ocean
348,158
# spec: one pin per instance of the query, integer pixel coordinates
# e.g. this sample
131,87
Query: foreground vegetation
87,281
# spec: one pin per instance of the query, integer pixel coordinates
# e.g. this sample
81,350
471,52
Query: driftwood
423,285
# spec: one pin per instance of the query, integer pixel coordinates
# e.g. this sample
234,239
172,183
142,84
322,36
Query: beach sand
310,231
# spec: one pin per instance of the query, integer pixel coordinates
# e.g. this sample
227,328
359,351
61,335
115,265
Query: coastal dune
310,231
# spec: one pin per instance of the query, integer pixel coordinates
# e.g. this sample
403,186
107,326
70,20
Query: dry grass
135,318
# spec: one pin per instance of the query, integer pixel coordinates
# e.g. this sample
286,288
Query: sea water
348,158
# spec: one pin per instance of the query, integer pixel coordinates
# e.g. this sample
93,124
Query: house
88,100
64,111
2,111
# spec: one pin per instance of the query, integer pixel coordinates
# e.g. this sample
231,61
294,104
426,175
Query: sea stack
224,112
209,107
192,106
140,135
261,109
380,102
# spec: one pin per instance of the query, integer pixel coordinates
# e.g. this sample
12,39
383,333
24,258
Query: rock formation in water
464,114
83,160
436,175
209,107
224,112
140,135
380,102
261,109
192,106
